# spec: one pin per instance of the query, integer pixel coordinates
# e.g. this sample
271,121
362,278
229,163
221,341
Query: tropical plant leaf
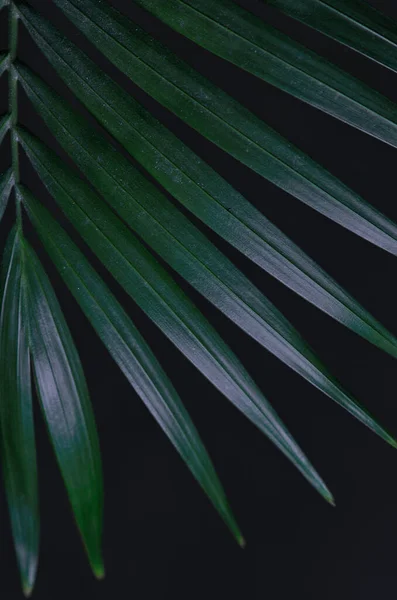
231,32
64,400
204,192
6,185
217,116
130,351
354,23
119,207
171,310
174,238
16,416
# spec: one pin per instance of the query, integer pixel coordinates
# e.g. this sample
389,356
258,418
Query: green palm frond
17,430
126,221
234,34
354,23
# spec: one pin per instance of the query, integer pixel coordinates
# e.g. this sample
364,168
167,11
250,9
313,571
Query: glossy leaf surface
164,302
354,23
221,119
259,318
229,31
18,448
205,193
131,227
130,351
66,407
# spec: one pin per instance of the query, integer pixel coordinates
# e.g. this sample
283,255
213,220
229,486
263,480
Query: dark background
162,537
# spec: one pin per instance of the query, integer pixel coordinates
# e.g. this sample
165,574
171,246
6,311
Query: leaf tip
27,589
99,571
329,497
392,442
241,541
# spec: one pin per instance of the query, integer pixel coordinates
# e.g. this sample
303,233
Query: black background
162,537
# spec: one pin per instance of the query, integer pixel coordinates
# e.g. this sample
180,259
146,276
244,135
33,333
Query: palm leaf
216,115
206,194
124,219
64,400
354,23
16,416
229,31
158,295
176,240
130,351
105,234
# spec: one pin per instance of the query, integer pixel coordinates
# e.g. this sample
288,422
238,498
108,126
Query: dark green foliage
115,209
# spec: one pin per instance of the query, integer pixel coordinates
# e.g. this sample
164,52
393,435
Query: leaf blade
187,251
232,33
223,121
162,300
355,24
130,352
197,186
104,225
65,404
16,417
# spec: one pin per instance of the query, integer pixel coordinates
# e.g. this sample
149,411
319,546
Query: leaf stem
13,101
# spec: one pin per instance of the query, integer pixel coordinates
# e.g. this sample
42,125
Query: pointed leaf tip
18,451
331,500
27,591
65,403
99,571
